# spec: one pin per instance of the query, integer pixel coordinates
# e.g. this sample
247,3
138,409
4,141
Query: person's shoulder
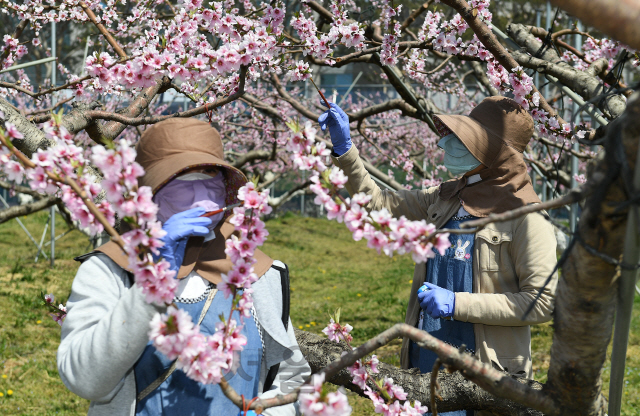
273,276
98,268
538,222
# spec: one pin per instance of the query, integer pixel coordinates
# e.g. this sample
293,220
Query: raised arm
411,204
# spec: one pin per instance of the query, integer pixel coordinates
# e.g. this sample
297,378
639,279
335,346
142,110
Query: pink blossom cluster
63,159
389,52
386,397
58,312
14,51
446,36
204,359
521,85
300,72
135,207
320,45
382,231
207,359
337,332
404,162
240,249
316,401
595,49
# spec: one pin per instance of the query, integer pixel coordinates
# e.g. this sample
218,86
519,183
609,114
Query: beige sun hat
176,145
496,120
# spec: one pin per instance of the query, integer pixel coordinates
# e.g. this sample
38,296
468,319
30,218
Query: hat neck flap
207,259
505,186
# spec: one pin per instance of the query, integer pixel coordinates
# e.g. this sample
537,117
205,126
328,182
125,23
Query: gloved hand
437,302
249,413
338,122
179,228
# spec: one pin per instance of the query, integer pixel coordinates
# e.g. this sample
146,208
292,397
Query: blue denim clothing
452,271
181,396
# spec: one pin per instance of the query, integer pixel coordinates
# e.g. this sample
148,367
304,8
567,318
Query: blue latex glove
249,413
179,228
338,123
436,301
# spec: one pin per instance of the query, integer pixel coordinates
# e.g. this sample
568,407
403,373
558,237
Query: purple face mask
189,191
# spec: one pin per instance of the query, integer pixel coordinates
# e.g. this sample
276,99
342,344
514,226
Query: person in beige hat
477,293
105,354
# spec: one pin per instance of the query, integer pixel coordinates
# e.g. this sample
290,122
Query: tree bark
617,18
587,292
26,209
457,392
34,138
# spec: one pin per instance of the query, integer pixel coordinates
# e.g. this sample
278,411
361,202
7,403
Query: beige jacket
511,261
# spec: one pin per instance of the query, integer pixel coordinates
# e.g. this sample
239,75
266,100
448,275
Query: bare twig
414,15
575,195
103,30
139,121
489,40
52,108
617,19
16,87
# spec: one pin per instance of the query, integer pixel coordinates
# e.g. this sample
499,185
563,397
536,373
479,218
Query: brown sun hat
496,120
176,145
496,132
168,149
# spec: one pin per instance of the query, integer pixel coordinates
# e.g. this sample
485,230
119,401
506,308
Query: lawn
328,270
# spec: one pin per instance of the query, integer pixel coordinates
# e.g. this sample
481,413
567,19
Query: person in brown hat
477,293
105,354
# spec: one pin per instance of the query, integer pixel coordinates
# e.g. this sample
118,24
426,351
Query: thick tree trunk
587,292
456,391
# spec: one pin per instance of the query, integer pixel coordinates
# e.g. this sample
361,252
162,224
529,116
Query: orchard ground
328,270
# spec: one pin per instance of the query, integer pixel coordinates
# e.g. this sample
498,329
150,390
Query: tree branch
457,392
582,82
26,209
574,195
489,40
276,202
251,157
21,189
103,30
34,138
120,121
414,15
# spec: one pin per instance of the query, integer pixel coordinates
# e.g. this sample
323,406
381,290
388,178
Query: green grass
328,271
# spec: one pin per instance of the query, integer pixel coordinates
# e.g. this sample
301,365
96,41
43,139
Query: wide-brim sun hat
174,146
491,124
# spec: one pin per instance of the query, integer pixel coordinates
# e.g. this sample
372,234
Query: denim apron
452,271
179,395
